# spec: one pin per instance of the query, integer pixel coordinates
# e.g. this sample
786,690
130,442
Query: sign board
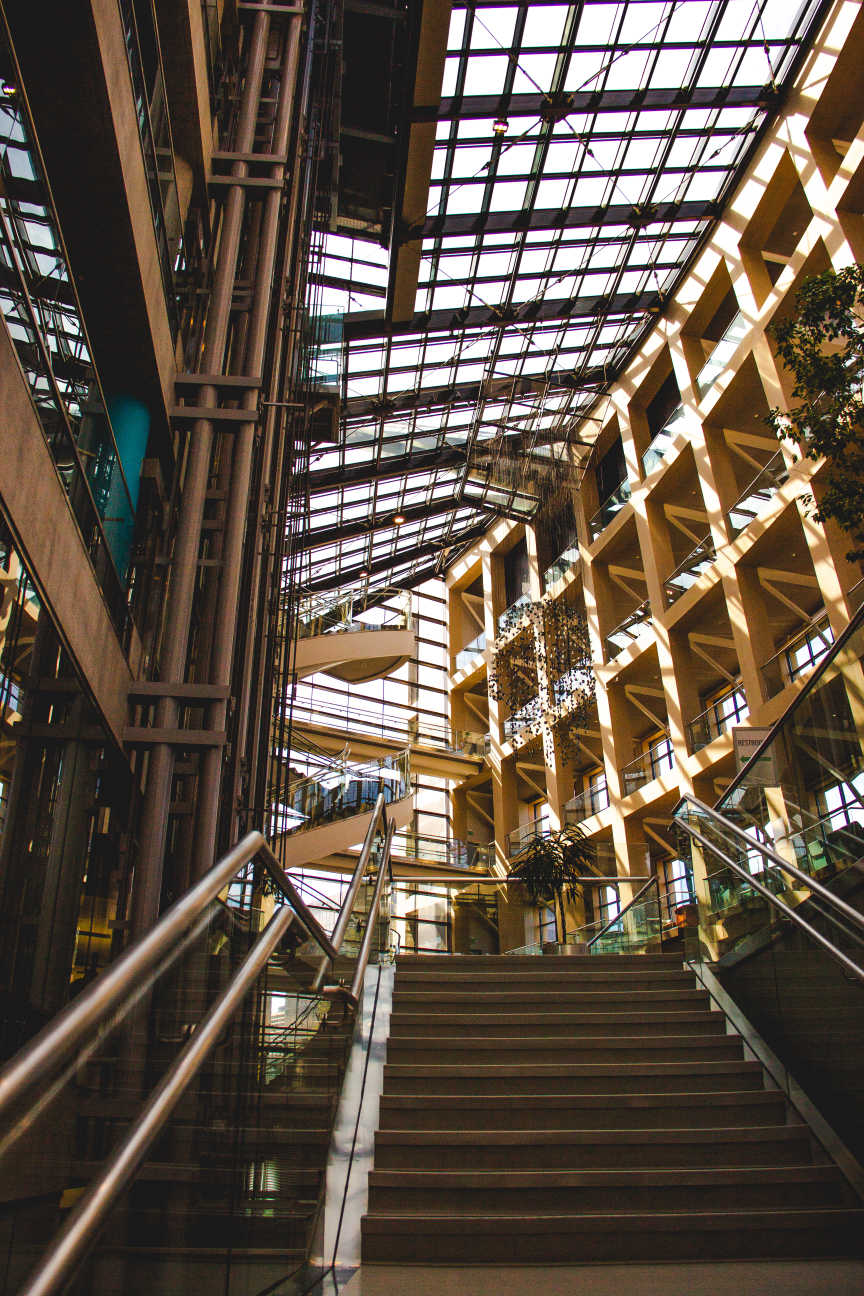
747,739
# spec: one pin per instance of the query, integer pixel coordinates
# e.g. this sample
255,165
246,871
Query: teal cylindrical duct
130,419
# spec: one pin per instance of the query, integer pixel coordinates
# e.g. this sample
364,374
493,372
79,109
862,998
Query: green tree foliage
550,868
822,344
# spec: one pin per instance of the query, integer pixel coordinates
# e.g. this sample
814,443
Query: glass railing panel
319,616
341,792
799,656
236,1173
722,715
688,572
323,351
758,494
466,655
659,759
662,440
721,354
801,999
637,931
590,802
566,561
512,615
629,631
519,838
522,719
39,302
609,509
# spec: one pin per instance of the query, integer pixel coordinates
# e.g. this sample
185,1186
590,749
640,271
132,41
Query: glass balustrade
637,930
318,616
662,440
799,656
722,353
723,714
519,838
699,560
466,655
629,631
522,719
39,301
590,802
754,499
609,509
323,351
440,850
567,560
342,791
512,615
659,759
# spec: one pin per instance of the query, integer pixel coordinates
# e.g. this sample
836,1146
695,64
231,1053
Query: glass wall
64,796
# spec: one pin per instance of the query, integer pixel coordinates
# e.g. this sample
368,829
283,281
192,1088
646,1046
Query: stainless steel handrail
344,918
792,869
652,881
79,1230
95,1004
366,945
769,895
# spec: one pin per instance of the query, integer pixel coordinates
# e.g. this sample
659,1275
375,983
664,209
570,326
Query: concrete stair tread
648,1178
704,1098
526,1044
540,1069
754,1218
483,1018
578,1138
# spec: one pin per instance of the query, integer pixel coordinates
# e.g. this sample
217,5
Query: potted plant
551,868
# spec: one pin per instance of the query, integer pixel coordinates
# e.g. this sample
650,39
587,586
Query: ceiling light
500,126
398,519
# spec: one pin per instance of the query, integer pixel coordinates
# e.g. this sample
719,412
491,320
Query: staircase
540,1110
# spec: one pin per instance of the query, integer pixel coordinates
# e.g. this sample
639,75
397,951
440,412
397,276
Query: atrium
431,724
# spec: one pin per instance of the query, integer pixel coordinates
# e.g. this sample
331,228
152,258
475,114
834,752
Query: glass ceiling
582,152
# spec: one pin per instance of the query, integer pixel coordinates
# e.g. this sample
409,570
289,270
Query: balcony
662,440
758,494
611,506
338,616
519,838
723,714
585,804
566,561
520,720
472,856
687,573
512,615
798,656
629,631
466,655
722,353
658,759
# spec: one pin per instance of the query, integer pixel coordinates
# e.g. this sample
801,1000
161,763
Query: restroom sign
748,739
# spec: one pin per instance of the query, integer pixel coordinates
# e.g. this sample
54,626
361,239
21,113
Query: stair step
407,1049
483,1238
539,1110
545,1191
528,963
569,1149
573,1078
599,999
577,1024
480,982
